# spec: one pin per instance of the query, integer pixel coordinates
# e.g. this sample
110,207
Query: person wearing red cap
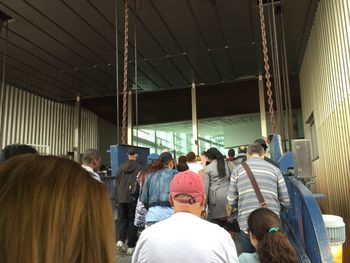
185,237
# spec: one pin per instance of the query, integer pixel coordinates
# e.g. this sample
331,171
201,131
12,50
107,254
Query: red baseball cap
187,183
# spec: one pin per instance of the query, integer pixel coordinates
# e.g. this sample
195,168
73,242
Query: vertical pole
289,105
117,69
2,91
278,78
136,75
77,117
129,136
194,119
262,107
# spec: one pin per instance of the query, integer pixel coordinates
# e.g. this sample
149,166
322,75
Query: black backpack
134,190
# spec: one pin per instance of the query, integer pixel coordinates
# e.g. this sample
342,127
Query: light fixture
335,227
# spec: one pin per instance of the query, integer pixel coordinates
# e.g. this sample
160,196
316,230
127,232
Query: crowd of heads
53,207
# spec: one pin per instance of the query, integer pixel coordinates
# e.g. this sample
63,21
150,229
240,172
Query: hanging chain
125,83
267,67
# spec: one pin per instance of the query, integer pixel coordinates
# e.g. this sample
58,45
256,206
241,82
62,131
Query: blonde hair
53,211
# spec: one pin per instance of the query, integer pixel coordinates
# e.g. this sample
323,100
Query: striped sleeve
283,195
232,195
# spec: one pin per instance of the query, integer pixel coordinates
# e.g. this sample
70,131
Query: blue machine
286,162
275,147
119,155
303,221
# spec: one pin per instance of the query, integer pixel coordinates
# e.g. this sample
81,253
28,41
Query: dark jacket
126,176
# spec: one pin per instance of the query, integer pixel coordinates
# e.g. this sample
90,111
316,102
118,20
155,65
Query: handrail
305,219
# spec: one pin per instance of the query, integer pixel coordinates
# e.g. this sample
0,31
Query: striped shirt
271,184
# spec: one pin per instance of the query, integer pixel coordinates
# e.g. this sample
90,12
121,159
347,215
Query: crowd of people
57,210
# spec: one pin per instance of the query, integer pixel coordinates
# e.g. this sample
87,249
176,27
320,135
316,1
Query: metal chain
267,67
125,83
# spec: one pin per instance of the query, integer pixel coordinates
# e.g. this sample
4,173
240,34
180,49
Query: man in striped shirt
241,193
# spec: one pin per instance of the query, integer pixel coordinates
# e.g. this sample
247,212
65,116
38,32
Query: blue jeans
246,245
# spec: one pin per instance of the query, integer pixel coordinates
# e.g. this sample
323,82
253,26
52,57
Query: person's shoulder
157,228
124,164
169,171
214,229
248,258
211,165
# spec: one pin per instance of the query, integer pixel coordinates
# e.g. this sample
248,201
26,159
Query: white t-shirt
195,167
92,172
185,238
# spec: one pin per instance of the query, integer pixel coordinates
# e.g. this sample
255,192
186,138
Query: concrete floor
123,259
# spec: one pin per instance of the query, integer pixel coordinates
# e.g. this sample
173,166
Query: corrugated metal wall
46,124
325,91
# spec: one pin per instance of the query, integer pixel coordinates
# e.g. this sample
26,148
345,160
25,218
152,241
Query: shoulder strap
228,168
260,197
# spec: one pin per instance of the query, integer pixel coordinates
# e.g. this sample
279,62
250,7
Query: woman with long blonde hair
53,211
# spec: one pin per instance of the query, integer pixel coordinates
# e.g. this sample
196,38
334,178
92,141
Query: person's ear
171,200
251,237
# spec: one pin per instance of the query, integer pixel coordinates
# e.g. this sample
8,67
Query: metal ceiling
60,48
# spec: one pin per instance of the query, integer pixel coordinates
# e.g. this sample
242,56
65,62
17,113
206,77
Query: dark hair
90,155
143,173
182,167
182,159
274,246
191,157
242,149
214,154
14,150
231,152
159,165
256,148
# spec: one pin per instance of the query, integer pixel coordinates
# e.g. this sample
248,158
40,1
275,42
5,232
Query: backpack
134,190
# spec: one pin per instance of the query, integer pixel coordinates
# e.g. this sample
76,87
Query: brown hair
53,211
143,173
255,148
273,247
159,165
182,159
191,157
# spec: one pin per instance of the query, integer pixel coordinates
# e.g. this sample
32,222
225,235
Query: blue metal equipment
119,155
306,221
303,222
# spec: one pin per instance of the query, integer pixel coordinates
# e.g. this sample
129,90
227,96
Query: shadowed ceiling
60,48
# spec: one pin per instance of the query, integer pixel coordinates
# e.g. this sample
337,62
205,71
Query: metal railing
304,224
